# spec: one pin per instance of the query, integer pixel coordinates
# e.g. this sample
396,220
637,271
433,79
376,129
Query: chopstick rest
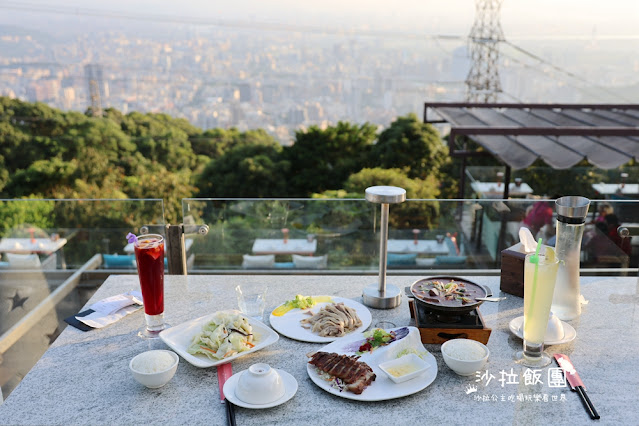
109,310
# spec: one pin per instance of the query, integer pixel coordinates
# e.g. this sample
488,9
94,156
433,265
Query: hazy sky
518,17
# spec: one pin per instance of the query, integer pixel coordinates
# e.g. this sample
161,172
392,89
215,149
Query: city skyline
233,70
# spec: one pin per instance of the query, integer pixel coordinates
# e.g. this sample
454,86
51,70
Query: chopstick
230,412
576,385
587,403
224,372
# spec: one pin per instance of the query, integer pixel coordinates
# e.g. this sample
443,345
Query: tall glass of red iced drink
149,254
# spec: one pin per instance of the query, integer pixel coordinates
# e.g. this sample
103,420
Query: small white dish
517,324
156,379
404,368
259,385
464,367
290,388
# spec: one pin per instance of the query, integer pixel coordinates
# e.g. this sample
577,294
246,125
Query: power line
552,76
566,72
513,97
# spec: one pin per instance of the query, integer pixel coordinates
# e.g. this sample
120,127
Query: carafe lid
572,206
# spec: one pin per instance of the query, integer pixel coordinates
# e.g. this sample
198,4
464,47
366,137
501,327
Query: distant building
315,112
270,94
68,97
296,116
245,92
43,91
237,115
8,93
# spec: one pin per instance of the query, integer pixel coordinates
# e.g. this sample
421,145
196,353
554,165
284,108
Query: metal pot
447,310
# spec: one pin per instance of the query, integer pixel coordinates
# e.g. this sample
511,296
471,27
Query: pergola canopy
560,134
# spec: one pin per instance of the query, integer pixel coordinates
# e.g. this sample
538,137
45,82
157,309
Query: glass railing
44,244
322,235
540,182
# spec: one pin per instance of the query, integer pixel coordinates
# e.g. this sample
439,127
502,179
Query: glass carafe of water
571,216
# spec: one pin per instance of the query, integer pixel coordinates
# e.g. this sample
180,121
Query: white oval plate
290,388
382,387
289,323
569,331
179,339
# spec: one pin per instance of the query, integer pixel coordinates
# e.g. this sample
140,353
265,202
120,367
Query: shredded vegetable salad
225,335
334,382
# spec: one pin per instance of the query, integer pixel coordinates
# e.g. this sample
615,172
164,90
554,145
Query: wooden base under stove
442,334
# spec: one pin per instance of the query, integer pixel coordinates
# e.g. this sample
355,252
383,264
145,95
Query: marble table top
84,377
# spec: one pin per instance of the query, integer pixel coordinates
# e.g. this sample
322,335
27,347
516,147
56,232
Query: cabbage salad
225,335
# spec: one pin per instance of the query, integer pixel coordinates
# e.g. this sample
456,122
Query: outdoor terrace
57,253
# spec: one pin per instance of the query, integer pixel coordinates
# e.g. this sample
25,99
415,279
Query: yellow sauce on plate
402,369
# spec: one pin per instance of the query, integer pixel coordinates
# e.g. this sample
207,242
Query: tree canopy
47,153
410,145
324,159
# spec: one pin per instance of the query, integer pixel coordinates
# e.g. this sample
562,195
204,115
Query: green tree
406,215
246,171
323,159
41,177
154,181
563,182
162,138
213,143
16,214
412,145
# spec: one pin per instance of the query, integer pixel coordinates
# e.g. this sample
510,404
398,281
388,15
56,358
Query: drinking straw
535,259
131,238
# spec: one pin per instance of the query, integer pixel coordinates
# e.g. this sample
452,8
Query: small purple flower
131,238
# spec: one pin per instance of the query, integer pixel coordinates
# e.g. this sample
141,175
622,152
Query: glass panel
42,243
252,235
338,231
590,182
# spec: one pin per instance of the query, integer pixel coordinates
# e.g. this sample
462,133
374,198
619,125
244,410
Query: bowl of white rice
464,356
154,369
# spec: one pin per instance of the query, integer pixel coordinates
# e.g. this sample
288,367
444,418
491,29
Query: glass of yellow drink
540,273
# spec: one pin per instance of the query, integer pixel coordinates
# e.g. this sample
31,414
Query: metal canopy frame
607,132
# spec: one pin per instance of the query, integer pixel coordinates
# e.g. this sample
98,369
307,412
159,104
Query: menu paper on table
112,309
113,304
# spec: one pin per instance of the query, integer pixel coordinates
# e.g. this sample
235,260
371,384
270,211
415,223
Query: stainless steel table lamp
383,296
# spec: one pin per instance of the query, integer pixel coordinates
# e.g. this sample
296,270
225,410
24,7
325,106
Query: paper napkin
527,240
111,309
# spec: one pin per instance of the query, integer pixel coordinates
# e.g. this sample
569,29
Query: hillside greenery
48,153
140,166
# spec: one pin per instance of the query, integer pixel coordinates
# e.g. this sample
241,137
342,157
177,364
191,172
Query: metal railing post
176,248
